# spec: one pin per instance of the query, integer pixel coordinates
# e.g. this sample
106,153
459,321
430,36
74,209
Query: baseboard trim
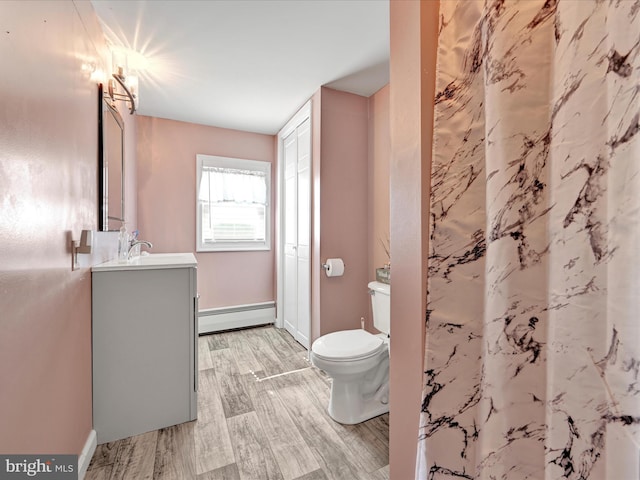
239,316
87,454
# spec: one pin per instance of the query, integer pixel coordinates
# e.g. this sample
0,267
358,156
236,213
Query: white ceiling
248,64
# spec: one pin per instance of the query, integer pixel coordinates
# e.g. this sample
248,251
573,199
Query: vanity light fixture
128,83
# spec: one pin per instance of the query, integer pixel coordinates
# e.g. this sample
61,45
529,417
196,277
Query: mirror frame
106,113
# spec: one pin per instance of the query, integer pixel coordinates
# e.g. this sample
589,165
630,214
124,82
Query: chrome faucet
137,242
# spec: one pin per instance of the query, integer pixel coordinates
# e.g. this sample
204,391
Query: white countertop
149,262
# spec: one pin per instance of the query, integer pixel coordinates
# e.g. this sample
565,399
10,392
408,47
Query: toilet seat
347,345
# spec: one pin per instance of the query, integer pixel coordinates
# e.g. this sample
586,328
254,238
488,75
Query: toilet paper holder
326,266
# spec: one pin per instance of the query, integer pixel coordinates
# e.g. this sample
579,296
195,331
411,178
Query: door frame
300,116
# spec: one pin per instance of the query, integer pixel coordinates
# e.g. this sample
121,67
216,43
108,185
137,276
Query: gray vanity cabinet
144,344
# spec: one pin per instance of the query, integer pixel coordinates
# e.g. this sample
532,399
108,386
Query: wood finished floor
262,415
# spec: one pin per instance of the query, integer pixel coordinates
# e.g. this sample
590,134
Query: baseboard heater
238,316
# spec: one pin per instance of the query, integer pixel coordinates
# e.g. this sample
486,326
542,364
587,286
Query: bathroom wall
48,189
48,193
414,30
340,210
378,180
166,178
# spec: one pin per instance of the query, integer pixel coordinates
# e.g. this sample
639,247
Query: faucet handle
135,245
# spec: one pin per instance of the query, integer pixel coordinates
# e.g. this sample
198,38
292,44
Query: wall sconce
129,83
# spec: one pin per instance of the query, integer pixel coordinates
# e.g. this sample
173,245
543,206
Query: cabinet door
143,348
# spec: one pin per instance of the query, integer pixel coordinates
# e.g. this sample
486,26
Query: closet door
304,233
297,233
290,221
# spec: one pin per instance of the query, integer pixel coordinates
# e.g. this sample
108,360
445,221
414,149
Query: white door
297,233
304,233
290,222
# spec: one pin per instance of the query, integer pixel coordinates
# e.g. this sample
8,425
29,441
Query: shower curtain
533,324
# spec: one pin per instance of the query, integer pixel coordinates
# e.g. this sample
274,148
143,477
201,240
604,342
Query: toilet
358,363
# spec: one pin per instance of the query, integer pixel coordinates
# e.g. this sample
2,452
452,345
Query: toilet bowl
358,363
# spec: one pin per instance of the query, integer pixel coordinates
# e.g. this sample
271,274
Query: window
233,210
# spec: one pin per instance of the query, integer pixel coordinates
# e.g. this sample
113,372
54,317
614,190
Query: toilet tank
381,304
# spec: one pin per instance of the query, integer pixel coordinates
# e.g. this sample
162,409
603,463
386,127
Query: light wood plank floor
262,415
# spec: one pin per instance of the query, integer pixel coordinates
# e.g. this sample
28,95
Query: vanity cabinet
144,336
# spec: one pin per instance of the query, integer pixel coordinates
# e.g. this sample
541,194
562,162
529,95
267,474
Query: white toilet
358,363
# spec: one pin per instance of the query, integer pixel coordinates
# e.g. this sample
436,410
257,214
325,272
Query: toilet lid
346,345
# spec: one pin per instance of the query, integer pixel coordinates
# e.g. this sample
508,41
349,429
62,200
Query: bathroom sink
151,261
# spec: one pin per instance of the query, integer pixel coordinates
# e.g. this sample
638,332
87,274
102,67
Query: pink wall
166,177
48,191
131,165
316,259
414,28
340,209
378,182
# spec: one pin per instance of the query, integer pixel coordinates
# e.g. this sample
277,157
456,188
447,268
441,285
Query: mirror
110,164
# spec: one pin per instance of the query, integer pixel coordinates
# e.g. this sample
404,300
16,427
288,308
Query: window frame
240,164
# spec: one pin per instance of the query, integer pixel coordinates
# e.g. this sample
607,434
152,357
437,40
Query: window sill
233,248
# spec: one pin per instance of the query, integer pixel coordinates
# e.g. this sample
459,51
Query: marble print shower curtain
533,326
